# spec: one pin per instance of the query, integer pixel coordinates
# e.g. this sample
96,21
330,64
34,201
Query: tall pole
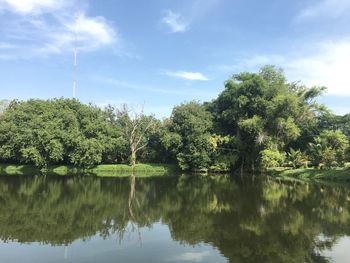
75,64
75,73
65,252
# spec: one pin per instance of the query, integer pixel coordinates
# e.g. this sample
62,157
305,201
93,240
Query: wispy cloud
187,75
176,22
132,86
191,256
90,33
328,66
33,6
44,27
324,8
97,28
180,91
192,11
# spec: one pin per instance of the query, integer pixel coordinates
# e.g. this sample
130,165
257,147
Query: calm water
172,219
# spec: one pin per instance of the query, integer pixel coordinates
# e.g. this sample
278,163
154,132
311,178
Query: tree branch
142,135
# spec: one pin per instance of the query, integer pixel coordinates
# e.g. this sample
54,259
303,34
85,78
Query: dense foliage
264,113
58,131
189,127
260,120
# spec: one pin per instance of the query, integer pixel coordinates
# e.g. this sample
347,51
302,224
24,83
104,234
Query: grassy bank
309,174
104,170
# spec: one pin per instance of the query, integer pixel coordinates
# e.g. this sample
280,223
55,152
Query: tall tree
189,136
262,111
136,124
55,131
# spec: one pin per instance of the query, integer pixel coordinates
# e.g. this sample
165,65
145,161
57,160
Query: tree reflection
248,221
132,201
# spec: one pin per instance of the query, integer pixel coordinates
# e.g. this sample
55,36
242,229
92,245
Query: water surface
172,219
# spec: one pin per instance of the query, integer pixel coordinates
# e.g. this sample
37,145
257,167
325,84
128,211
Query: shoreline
148,170
103,170
311,174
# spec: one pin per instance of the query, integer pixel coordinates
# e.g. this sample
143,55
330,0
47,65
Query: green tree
55,131
329,149
189,136
263,112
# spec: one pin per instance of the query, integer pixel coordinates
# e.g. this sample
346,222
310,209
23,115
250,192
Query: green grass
103,170
11,169
141,170
309,174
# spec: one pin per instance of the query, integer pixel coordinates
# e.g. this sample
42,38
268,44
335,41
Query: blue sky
160,52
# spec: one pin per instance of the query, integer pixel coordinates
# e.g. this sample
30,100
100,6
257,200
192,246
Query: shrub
220,167
272,158
296,158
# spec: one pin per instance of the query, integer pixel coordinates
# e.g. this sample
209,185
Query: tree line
260,120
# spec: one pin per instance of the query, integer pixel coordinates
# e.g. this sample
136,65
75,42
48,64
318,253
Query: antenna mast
75,64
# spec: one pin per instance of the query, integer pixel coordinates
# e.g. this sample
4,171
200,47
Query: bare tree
136,126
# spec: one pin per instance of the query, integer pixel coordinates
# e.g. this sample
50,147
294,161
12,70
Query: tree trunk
132,195
242,167
133,158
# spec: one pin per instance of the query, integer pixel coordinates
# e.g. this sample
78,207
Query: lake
172,219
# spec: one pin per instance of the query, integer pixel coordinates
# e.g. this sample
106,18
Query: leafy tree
118,146
55,131
155,151
171,141
256,121
337,141
261,110
330,121
189,136
329,149
224,155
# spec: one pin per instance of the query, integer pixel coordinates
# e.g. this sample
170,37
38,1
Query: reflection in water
247,221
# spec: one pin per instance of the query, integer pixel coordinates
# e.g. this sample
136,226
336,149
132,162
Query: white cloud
191,256
31,34
195,10
89,32
96,28
176,22
32,6
324,8
187,75
328,66
324,64
250,64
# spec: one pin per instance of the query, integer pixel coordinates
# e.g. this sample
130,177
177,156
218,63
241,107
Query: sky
160,53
